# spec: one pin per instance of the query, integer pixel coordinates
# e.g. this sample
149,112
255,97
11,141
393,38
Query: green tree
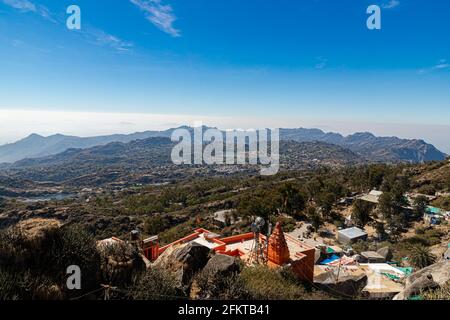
154,284
314,217
361,212
420,206
421,256
392,205
216,285
375,176
38,263
155,224
292,201
326,201
173,196
263,283
313,187
334,187
386,205
379,227
260,204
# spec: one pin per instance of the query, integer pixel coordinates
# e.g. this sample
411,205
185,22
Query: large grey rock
386,253
430,277
373,257
423,283
211,280
221,265
346,285
183,261
439,271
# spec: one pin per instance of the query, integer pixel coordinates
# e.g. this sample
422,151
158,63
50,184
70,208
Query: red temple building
278,251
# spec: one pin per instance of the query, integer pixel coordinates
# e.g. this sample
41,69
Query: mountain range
366,145
148,161
382,149
36,146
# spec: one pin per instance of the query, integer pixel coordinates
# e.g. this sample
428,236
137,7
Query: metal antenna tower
257,253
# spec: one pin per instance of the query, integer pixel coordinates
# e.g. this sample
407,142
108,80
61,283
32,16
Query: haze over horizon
16,125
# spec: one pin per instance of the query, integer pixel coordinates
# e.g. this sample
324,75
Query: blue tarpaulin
330,259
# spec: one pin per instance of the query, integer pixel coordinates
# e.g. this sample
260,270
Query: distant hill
36,146
381,149
148,161
436,175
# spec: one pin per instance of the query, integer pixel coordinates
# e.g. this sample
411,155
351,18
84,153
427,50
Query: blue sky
308,60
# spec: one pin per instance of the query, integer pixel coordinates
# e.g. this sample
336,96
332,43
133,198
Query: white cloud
28,6
45,13
322,63
441,65
160,15
391,4
23,5
91,34
101,38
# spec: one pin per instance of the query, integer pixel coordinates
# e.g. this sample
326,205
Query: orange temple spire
278,251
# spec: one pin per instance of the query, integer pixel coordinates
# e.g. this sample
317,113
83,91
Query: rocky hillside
36,146
381,149
148,161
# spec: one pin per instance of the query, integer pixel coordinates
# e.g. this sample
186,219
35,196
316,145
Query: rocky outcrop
346,285
422,283
37,229
209,280
20,242
386,252
372,257
440,272
427,278
183,261
221,265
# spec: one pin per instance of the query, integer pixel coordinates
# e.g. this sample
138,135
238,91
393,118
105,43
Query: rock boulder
347,285
427,278
439,271
222,265
386,253
208,282
183,261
